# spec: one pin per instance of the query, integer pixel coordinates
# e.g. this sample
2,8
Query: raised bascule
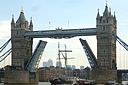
24,66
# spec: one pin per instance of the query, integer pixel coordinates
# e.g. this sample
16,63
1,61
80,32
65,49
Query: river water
44,83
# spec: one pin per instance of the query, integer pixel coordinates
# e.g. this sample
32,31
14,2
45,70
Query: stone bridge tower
106,44
21,46
21,53
106,47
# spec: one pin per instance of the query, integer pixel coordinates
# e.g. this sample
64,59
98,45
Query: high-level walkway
61,33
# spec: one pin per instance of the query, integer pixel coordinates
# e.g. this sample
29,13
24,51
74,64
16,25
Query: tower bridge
26,62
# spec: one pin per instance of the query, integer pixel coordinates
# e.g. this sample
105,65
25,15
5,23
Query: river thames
44,83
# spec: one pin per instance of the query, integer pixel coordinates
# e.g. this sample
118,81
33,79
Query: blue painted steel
91,57
3,46
35,59
61,33
5,55
121,42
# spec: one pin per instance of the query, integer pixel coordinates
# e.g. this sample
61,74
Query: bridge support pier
20,78
103,76
119,75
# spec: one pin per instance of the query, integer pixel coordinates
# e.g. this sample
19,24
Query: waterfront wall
103,76
20,77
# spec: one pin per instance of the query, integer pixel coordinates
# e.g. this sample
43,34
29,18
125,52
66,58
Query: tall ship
62,79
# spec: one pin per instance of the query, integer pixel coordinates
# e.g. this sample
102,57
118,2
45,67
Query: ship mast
65,57
59,62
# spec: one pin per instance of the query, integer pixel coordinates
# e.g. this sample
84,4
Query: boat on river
62,80
84,82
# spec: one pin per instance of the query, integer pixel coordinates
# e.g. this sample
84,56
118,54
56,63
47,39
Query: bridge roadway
61,33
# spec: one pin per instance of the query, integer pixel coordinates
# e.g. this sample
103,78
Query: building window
103,21
107,20
104,51
103,29
17,32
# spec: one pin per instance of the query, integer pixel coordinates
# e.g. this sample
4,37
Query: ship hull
60,81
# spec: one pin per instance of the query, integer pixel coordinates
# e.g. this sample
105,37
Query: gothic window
104,51
17,32
113,49
107,20
27,52
100,20
114,64
104,40
103,21
103,29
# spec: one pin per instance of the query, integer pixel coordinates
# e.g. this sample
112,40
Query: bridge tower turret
21,46
106,44
21,54
106,47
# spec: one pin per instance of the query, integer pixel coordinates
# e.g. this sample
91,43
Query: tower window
107,20
103,29
104,51
103,21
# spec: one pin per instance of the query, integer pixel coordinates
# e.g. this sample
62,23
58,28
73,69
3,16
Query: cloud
5,29
5,34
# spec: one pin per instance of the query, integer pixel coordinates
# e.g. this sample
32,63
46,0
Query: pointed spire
12,19
106,12
21,19
109,11
31,24
31,21
114,15
12,22
98,14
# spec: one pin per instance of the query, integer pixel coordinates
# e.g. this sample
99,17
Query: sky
68,14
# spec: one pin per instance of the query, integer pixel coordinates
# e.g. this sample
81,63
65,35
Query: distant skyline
47,63
50,63
68,14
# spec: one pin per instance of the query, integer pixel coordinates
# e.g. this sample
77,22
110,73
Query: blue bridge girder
33,63
91,57
61,33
